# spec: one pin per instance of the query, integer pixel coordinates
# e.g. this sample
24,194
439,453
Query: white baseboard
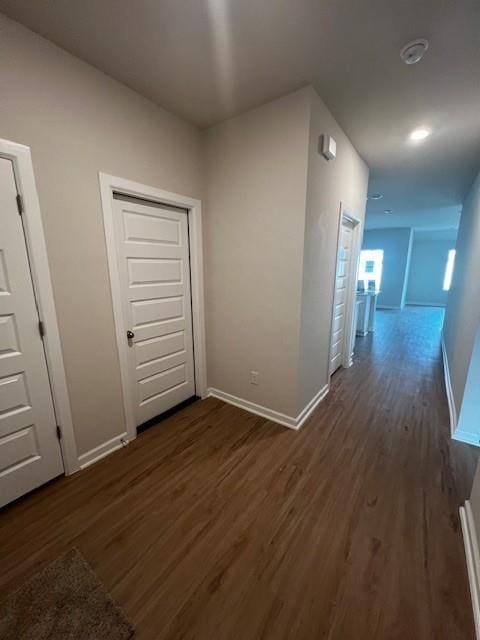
448,386
387,306
473,561
86,459
311,406
270,414
414,303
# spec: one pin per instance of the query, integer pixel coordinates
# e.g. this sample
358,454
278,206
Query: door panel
340,297
153,260
29,449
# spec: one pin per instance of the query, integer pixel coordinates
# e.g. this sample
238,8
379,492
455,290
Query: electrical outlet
254,377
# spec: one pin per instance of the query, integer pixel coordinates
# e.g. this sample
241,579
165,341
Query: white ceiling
209,59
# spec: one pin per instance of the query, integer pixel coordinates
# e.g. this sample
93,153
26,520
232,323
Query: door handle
130,335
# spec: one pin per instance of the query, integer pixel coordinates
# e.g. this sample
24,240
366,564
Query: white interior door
153,259
342,275
29,449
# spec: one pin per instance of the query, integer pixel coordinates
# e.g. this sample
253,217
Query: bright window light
447,278
370,268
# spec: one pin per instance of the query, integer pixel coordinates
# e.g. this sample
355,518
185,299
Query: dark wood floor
220,525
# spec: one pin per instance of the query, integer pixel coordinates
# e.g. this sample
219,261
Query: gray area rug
65,601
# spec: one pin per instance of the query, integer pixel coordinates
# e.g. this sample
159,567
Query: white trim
21,158
270,414
388,306
86,459
350,331
472,556
467,437
353,277
448,387
311,406
109,184
415,303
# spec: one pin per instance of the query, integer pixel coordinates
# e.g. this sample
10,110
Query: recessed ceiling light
388,211
375,196
414,51
420,134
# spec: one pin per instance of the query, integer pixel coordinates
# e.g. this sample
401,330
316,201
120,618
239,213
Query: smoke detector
414,51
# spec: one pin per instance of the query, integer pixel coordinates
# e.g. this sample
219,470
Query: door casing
108,185
21,159
349,333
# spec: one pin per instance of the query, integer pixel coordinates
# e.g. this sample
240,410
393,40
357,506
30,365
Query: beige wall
256,176
343,180
273,200
78,122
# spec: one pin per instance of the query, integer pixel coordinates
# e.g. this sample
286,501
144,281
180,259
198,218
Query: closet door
153,259
29,449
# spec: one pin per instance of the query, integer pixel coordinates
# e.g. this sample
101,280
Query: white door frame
108,185
21,158
349,331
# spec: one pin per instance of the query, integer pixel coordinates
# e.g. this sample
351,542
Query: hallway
219,524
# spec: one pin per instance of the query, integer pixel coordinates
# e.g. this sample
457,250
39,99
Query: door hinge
41,328
19,203
59,433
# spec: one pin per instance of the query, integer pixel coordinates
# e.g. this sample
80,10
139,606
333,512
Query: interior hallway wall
330,184
271,238
396,244
427,266
77,122
256,179
462,316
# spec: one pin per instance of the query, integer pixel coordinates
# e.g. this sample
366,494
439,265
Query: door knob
130,335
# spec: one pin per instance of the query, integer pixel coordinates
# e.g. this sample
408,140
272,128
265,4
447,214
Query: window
447,278
370,268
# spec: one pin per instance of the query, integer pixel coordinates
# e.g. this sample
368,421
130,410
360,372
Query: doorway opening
343,309
403,267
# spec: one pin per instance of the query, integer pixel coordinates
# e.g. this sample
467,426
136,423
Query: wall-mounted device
328,147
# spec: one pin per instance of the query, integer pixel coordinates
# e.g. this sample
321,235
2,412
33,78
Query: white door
344,261
29,449
153,259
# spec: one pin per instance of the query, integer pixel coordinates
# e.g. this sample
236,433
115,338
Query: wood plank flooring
217,524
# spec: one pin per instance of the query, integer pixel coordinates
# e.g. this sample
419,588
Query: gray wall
273,201
330,183
256,181
462,317
78,122
427,266
461,332
396,244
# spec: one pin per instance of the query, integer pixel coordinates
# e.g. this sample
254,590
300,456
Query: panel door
344,258
153,259
29,449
